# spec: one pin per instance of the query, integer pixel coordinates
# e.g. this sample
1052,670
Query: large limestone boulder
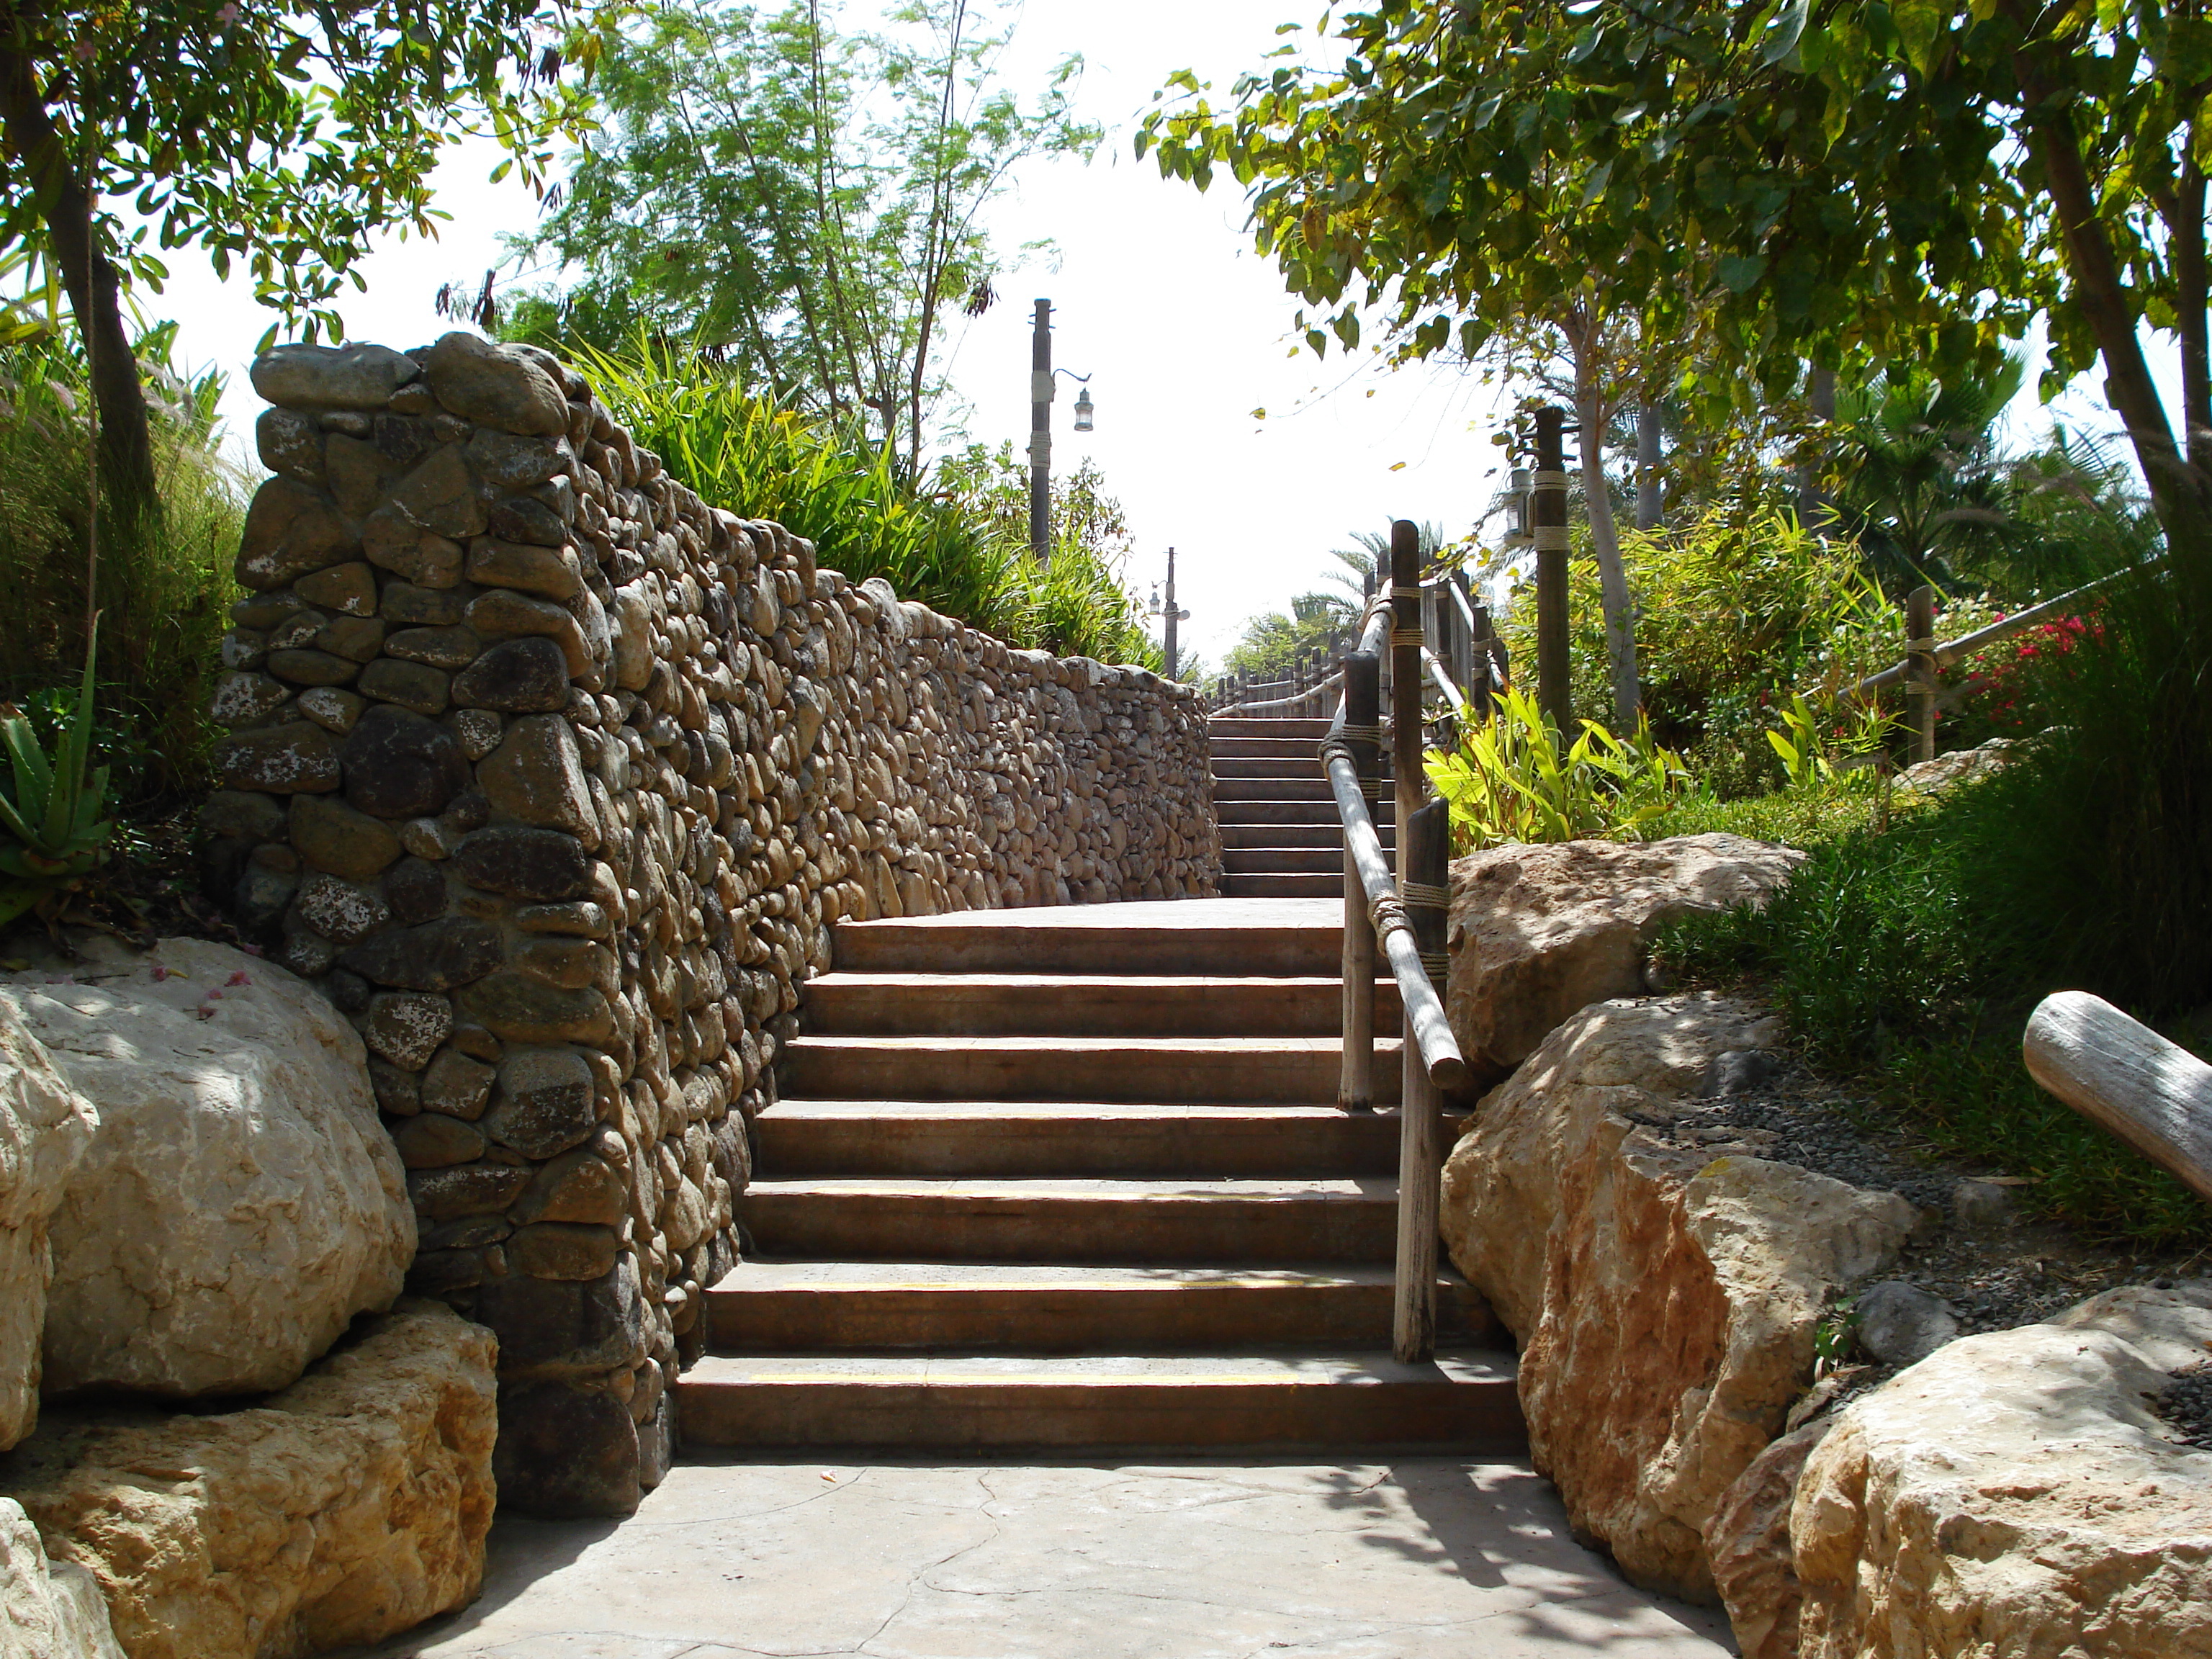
1665,1295
350,1506
1538,931
2013,1493
241,1202
45,1127
48,1609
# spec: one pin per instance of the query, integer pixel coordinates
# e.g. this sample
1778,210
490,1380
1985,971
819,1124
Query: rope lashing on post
1388,916
1425,893
1338,741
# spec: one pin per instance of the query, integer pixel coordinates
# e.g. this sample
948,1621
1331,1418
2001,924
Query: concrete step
1175,936
772,1307
1192,1070
1246,725
1316,814
1077,1004
1329,836
1283,860
1045,1137
1465,1400
1280,886
1267,766
1314,787
1304,748
1094,1221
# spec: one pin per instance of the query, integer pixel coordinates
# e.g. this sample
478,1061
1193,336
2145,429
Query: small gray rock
1901,1324
1982,1203
1740,1071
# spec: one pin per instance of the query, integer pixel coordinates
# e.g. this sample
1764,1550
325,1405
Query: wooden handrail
2120,1074
1950,654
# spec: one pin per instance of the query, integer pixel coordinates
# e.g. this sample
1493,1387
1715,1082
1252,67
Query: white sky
1157,294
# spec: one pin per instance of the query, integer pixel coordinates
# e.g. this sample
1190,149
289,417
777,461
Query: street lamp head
1082,408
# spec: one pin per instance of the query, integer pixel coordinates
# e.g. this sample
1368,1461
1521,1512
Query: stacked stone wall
554,778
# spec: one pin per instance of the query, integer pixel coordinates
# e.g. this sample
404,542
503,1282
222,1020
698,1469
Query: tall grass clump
867,519
164,581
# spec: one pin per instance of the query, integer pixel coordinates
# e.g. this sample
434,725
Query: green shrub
1509,780
165,587
944,547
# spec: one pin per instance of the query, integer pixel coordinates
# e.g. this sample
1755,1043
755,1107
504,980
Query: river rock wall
555,777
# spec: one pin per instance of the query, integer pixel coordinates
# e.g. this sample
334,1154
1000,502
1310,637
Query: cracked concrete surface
1430,1557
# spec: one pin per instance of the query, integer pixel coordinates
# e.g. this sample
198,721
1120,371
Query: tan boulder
48,1609
350,1507
2013,1494
240,1201
45,1127
1538,931
1748,1542
1665,1296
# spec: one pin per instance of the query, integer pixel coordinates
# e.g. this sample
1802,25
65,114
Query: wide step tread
1076,1005
1194,1069
774,1306
1070,1139
1462,1401
857,1218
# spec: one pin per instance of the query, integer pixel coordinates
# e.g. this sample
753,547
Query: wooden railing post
1548,527
1481,680
1425,869
1920,674
1406,678
1363,716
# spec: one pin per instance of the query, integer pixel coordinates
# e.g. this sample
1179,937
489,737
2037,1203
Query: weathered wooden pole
1481,683
2120,1074
1548,531
1406,675
1362,732
1425,871
1920,675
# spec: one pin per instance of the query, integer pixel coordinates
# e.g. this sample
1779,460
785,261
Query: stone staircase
1280,837
1070,1177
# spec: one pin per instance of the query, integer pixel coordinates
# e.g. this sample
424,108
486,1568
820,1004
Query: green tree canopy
277,136
802,202
1843,181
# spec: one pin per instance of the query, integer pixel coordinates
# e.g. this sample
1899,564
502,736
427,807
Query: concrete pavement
1429,1557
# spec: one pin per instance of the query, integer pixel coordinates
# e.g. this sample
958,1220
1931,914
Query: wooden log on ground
2117,1073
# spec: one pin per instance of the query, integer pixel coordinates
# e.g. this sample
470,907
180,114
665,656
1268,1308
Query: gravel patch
1994,1270
2186,1405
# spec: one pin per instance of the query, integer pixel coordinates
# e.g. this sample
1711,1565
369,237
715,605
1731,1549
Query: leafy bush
948,548
1888,957
1734,612
1508,779
165,584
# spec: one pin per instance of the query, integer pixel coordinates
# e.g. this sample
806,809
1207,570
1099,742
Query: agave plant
54,834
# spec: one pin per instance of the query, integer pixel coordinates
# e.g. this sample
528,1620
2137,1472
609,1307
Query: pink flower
239,978
253,950
227,14
162,973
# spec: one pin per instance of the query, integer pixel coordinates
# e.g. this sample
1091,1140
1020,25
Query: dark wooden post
1406,675
1425,871
1481,681
1363,721
1920,672
1548,527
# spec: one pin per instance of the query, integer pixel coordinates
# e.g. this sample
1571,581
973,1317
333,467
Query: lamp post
1042,375
1163,606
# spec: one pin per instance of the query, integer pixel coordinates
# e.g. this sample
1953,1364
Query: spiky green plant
52,815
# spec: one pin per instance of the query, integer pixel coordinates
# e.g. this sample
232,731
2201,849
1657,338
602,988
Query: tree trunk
1649,512
93,284
1813,506
2180,494
1605,542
